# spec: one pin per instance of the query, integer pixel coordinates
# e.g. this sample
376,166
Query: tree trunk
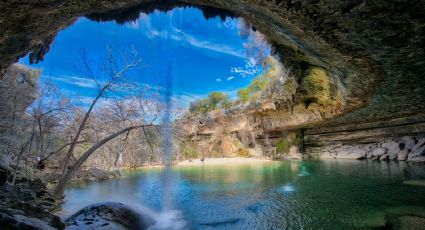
60,188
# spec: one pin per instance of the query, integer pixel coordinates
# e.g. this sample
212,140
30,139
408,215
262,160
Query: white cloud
218,80
230,78
75,80
244,72
215,47
248,70
188,39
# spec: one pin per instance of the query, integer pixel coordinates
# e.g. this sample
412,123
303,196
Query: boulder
109,215
409,142
94,174
393,149
402,155
379,152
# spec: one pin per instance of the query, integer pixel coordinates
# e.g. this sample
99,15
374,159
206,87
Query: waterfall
168,218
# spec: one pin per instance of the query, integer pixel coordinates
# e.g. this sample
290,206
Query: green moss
282,146
290,86
316,87
290,139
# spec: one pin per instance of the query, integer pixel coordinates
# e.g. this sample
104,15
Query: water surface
269,195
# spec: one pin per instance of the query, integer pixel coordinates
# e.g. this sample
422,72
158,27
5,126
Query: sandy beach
220,161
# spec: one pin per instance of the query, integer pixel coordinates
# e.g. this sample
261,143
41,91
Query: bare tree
109,83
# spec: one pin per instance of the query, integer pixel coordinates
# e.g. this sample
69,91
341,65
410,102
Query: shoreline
221,161
207,161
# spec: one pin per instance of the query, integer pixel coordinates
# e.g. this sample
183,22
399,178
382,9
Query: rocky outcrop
109,215
27,205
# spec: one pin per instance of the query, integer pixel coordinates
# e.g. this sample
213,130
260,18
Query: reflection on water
271,195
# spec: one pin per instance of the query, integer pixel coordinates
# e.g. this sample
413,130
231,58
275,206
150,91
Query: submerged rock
415,182
109,215
411,223
406,218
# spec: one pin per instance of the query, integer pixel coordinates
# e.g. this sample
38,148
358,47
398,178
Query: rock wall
399,139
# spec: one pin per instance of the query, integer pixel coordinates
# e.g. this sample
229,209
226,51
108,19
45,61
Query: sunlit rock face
353,61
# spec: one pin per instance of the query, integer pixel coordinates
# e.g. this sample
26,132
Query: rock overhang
374,48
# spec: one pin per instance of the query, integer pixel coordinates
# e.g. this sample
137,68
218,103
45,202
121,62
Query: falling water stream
168,218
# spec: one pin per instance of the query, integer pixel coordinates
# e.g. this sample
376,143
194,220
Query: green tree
218,100
243,95
215,100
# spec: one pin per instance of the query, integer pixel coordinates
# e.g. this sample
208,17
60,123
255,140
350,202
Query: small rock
383,157
402,155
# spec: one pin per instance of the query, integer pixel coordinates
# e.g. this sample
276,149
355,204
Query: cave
355,94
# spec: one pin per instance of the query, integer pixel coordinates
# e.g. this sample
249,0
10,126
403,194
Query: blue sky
199,55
